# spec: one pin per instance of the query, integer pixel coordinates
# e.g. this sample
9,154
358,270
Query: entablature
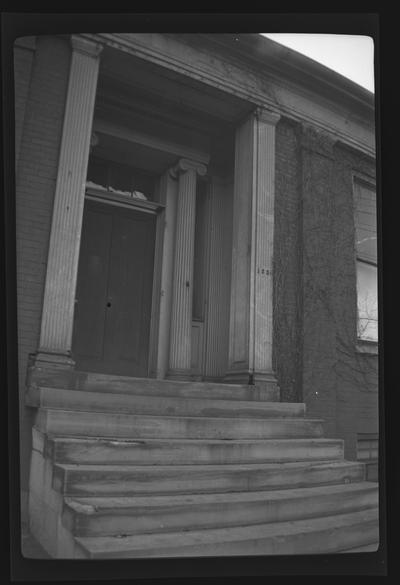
261,86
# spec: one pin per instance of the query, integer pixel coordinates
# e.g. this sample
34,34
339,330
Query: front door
114,290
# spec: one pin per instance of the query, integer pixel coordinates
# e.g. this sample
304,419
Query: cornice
317,142
86,46
262,88
26,43
266,116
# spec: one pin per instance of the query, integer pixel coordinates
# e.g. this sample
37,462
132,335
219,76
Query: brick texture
356,373
315,299
40,90
287,301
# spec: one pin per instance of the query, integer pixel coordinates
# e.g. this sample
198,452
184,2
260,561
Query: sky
349,55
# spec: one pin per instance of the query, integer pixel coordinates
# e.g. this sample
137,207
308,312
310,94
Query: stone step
91,381
366,548
125,480
94,401
112,516
100,424
190,451
328,534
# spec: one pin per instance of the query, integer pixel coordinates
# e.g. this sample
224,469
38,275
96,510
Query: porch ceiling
190,101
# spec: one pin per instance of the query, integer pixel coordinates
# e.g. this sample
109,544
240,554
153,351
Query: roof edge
294,65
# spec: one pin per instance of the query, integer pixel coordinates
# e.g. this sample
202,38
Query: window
367,452
120,179
366,250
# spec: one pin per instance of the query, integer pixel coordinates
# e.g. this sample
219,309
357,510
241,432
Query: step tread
50,397
93,504
159,469
142,426
96,545
131,416
128,441
365,548
90,381
111,378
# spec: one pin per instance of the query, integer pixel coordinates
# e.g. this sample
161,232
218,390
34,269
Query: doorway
114,290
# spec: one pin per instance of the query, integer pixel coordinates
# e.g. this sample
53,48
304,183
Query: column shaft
62,265
264,240
182,295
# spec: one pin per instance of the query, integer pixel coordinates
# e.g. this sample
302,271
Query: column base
178,374
51,369
265,383
63,360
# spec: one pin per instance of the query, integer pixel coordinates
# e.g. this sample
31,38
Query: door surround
157,210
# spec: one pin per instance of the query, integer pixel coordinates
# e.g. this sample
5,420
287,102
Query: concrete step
100,424
189,451
91,381
311,536
125,480
94,401
112,516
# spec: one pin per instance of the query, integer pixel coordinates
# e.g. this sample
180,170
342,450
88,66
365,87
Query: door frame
157,209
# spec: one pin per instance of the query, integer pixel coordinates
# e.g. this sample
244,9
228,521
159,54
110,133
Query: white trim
363,178
120,201
367,347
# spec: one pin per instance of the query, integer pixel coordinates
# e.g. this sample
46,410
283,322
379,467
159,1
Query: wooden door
114,290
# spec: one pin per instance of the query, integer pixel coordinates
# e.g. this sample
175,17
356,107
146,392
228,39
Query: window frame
367,346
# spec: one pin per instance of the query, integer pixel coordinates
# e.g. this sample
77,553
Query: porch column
250,336
182,294
62,265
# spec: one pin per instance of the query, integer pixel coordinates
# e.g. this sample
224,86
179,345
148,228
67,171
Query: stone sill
367,347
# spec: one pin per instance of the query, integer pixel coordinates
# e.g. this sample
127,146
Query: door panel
114,309
91,294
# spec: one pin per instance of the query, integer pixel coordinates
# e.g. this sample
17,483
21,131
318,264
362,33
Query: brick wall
338,383
356,373
318,289
287,302
39,118
315,298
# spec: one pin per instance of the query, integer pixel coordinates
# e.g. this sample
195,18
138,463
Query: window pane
97,172
120,177
365,223
367,290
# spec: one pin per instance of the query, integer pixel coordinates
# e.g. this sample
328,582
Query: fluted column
62,265
182,295
250,338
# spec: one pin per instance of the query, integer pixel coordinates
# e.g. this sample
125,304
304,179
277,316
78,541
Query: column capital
86,46
266,116
185,164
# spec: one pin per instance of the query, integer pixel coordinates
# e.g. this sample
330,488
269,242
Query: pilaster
182,295
62,265
250,347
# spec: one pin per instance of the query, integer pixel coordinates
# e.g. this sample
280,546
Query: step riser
146,483
151,387
164,453
149,519
321,541
94,424
159,405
